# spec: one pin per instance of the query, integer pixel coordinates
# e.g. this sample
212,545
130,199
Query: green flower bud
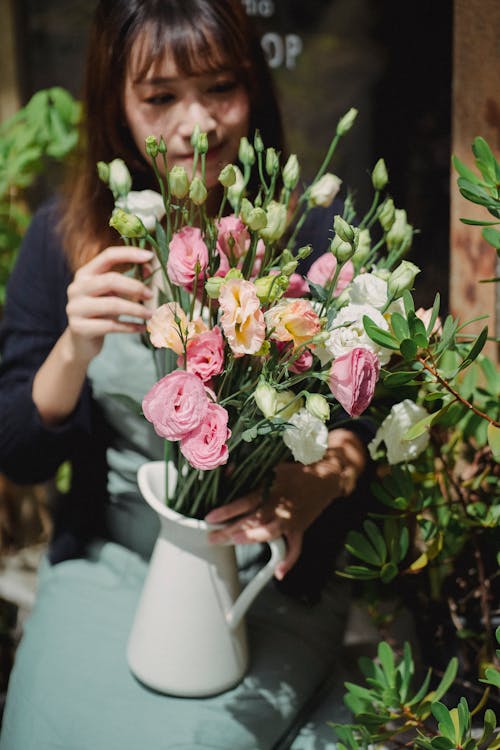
400,230
323,192
235,191
213,285
275,226
197,191
318,406
246,208
289,268
363,247
258,143
270,288
233,273
291,172
179,181
346,122
304,252
246,154
127,225
386,214
264,349
195,135
151,146
288,404
202,143
162,146
103,171
343,229
266,398
227,176
341,249
257,219
401,278
120,180
379,175
272,161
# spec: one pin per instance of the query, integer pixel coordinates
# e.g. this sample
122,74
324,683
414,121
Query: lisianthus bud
387,214
246,208
213,285
246,154
235,191
257,219
275,221
270,288
272,161
197,191
195,135
266,399
126,224
304,252
288,404
382,273
291,172
103,171
151,146
401,278
290,267
120,180
178,181
227,176
318,406
346,122
233,273
400,230
379,175
341,249
162,146
343,229
363,247
323,192
202,143
258,143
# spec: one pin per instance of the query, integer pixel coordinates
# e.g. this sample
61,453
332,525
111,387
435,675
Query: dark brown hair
201,35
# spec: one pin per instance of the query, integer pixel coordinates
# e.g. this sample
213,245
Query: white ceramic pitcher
188,637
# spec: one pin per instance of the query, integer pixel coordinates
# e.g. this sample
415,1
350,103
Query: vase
188,637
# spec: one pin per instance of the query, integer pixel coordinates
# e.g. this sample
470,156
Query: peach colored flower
205,447
242,319
187,250
292,320
205,354
168,327
323,270
425,316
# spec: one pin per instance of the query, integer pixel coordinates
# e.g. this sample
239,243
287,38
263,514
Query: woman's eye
223,87
159,99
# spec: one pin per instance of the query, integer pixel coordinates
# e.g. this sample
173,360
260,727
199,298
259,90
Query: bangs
195,50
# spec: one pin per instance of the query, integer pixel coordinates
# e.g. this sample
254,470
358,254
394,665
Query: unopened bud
323,192
275,226
266,398
379,175
288,404
120,180
272,161
346,122
401,278
227,176
202,143
162,146
343,229
341,249
103,171
387,214
235,191
318,406
195,135
270,288
178,181
213,285
304,252
151,146
400,230
246,154
363,247
258,143
257,219
291,172
127,224
197,191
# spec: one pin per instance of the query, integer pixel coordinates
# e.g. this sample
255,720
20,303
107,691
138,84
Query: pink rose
176,404
187,249
323,270
293,320
205,354
233,239
352,379
205,447
242,319
302,363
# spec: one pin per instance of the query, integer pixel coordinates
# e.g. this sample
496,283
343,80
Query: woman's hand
298,496
99,295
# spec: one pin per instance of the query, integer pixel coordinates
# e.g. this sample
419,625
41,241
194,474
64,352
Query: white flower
348,333
368,289
322,192
119,177
392,430
146,204
307,437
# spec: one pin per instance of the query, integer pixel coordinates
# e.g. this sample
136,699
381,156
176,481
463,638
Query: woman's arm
298,496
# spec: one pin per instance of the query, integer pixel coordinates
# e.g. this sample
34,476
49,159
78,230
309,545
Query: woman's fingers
238,507
106,307
111,282
114,256
294,548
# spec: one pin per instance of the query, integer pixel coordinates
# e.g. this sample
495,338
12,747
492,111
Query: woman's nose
196,114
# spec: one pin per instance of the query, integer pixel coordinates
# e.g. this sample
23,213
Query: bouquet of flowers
255,360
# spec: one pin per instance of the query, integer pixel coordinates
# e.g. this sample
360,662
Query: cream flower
348,332
242,319
307,437
393,429
146,204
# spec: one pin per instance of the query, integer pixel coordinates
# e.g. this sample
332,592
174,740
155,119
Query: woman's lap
71,688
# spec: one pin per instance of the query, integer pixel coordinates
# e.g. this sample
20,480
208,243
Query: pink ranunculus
293,320
176,404
352,379
205,447
242,319
233,238
302,363
186,250
323,269
205,354
168,327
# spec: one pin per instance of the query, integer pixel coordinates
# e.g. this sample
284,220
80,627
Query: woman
159,67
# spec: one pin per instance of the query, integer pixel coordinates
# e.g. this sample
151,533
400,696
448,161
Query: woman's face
166,103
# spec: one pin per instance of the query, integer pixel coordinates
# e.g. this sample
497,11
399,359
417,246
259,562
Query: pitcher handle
242,603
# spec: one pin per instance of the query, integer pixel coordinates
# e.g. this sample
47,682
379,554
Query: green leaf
464,171
376,539
492,236
388,572
409,305
420,427
492,677
400,326
396,379
485,161
476,349
386,658
445,722
489,725
422,691
447,679
408,348
360,547
378,335
494,440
